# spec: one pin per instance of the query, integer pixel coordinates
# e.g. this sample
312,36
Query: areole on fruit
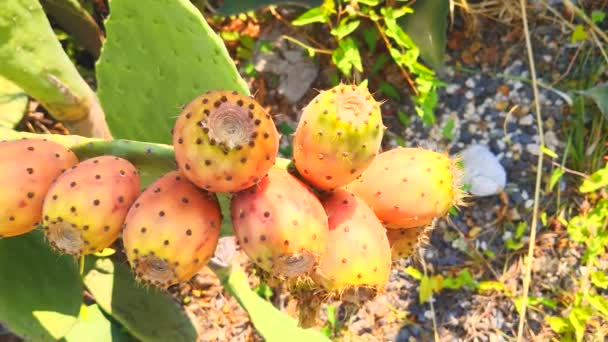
224,141
171,230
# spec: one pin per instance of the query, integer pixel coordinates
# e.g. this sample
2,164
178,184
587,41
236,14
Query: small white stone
470,83
526,120
524,195
482,171
529,203
469,95
501,144
517,85
533,149
452,88
547,58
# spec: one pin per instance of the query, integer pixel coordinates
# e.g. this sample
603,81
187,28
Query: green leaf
558,324
514,244
597,16
285,129
232,7
379,63
369,2
331,315
599,94
313,15
599,279
389,90
97,327
427,27
403,118
347,56
40,291
425,290
548,152
490,285
414,273
264,291
579,34
271,323
463,278
370,36
345,28
578,319
448,129
13,103
599,303
520,229
147,313
597,180
150,66
556,175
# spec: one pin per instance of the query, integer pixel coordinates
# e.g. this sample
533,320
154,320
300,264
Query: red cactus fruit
409,187
27,169
84,209
359,255
403,241
171,230
337,137
280,224
225,141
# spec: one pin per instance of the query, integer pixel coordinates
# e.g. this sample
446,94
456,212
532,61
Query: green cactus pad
13,103
158,56
271,323
40,291
33,58
93,325
147,313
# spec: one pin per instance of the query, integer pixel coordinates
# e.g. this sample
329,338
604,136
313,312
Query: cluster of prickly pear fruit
332,220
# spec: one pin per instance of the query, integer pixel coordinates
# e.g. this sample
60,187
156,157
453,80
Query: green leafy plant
588,307
360,25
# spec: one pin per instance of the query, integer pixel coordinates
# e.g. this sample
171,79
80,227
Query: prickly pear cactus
86,206
429,179
225,141
33,58
171,230
280,224
159,54
27,169
338,135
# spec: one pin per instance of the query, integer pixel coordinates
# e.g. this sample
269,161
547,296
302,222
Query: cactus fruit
359,255
225,141
27,169
84,209
280,224
337,137
409,187
403,241
171,230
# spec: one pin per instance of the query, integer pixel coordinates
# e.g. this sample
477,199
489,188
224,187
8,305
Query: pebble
469,95
526,120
